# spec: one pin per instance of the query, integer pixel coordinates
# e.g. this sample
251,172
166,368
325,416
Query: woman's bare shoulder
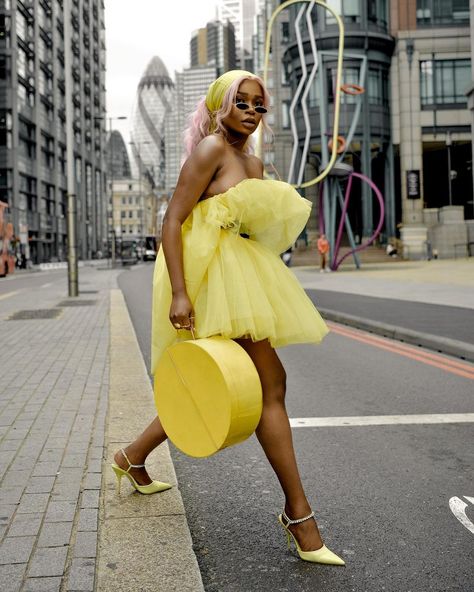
211,143
207,153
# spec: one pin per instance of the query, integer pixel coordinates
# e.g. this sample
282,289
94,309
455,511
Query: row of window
130,214
442,83
442,12
428,12
130,200
131,230
352,10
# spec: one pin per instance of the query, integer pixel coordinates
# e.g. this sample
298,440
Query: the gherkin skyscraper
154,95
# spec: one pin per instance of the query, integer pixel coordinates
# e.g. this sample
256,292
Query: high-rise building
191,86
33,174
118,163
241,13
153,100
214,45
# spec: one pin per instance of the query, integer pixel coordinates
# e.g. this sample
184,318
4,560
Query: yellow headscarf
217,90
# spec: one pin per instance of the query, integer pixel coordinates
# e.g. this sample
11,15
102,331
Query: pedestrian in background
219,272
323,248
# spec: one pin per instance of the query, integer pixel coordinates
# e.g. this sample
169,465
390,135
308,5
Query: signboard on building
413,185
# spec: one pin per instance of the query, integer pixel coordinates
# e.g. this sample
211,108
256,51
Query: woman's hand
181,312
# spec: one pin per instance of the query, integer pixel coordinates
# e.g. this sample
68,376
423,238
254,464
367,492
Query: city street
381,492
382,432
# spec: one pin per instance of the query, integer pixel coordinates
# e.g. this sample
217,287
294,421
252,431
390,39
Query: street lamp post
450,181
111,198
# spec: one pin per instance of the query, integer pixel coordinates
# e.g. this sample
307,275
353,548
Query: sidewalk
72,381
427,303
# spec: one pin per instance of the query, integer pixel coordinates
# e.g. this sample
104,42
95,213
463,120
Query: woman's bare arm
196,174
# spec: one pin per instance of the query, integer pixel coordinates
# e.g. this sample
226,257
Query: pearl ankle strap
130,464
289,521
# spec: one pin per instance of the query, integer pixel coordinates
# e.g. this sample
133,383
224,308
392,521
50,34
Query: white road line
8,294
367,420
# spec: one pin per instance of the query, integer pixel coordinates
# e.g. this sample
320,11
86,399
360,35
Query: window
350,11
377,12
21,62
378,87
27,138
21,28
442,12
47,150
5,128
444,82
350,75
285,114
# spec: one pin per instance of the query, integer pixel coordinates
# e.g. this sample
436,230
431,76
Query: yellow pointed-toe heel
322,555
153,487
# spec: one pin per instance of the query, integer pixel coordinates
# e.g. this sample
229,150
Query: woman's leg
274,434
140,448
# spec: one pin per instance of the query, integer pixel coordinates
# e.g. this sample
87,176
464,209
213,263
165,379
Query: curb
444,345
144,540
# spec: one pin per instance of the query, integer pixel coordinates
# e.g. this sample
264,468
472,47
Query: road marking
367,420
459,368
458,508
9,294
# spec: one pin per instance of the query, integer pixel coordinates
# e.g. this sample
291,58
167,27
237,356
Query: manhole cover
40,313
77,303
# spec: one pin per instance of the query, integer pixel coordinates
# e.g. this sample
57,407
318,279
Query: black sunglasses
244,106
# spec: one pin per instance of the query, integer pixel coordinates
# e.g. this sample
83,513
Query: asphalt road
381,492
454,322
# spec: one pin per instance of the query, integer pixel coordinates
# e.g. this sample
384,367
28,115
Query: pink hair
199,122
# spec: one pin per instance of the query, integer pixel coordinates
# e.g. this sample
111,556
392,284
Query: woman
219,273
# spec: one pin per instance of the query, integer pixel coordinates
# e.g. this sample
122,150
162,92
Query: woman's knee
274,390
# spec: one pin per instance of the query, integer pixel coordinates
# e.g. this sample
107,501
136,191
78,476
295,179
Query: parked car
149,255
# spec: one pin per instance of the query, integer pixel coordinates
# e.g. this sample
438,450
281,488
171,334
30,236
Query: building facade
242,14
33,127
214,45
412,61
191,86
135,209
430,76
367,58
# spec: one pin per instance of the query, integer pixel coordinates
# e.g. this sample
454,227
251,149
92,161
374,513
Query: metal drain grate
88,291
40,313
77,303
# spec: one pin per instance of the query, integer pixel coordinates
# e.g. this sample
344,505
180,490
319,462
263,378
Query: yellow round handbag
208,395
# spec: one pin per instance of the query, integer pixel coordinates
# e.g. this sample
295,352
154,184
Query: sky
135,32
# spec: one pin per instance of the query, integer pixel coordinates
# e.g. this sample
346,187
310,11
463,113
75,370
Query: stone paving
53,405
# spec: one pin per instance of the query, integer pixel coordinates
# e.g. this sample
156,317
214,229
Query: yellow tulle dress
235,278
